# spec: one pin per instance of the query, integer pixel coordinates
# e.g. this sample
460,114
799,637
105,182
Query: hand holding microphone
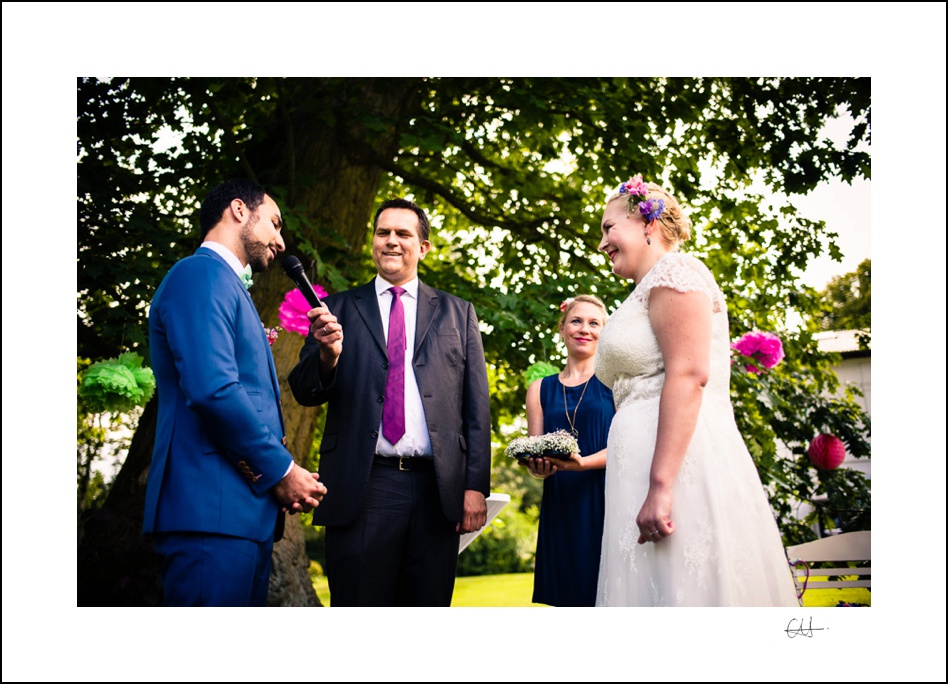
324,327
297,274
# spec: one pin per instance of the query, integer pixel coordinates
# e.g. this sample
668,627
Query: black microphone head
294,269
292,266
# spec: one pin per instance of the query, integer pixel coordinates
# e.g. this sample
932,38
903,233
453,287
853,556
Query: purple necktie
393,411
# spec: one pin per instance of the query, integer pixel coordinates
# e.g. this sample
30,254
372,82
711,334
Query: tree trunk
85,475
343,198
116,566
290,584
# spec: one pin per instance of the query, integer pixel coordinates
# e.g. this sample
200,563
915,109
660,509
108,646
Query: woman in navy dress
573,504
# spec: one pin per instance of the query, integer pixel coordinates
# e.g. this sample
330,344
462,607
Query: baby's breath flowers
559,444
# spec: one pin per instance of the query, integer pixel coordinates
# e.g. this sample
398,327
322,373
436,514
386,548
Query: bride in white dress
687,520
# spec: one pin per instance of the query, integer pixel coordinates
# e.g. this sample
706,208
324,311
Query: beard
258,254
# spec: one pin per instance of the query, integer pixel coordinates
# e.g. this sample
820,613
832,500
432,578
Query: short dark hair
222,194
424,228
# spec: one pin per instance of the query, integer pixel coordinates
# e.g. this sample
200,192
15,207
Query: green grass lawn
815,598
516,590
495,590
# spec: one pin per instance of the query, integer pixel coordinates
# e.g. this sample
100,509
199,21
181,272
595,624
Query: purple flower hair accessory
652,209
637,190
634,186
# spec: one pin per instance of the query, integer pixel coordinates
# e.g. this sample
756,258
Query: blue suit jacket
218,449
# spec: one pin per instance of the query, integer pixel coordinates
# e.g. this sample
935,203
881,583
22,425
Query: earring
648,240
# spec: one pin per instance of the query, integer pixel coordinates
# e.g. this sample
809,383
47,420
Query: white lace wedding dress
726,549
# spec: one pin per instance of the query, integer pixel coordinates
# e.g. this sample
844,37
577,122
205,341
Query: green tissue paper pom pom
538,370
117,385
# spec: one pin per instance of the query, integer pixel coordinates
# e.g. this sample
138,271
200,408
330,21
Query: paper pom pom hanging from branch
827,452
538,370
764,347
117,385
294,308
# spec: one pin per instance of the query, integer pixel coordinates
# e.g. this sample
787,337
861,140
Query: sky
47,45
846,209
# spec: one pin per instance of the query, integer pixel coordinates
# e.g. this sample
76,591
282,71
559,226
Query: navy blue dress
573,504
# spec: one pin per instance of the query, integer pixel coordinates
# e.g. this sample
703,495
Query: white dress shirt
415,441
227,255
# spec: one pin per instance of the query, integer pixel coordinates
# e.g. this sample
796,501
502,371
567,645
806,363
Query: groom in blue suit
220,477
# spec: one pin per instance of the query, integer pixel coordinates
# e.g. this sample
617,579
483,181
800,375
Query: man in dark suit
406,446
220,473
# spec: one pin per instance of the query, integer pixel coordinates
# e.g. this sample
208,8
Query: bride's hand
654,518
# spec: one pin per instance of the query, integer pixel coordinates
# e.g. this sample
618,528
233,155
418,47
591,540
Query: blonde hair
579,299
676,226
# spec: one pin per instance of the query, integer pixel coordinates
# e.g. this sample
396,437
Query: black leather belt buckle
406,464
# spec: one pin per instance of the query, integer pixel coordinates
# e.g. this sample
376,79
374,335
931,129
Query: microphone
294,269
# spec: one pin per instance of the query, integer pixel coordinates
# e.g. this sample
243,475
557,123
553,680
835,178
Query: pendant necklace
572,421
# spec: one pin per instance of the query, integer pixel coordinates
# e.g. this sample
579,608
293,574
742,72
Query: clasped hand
300,491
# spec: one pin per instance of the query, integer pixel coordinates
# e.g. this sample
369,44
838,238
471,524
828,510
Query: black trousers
400,551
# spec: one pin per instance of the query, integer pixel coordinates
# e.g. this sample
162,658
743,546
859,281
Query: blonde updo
676,226
568,305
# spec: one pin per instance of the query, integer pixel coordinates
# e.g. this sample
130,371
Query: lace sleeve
682,273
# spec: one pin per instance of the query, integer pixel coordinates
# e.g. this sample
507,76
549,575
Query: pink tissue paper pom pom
827,452
765,347
294,308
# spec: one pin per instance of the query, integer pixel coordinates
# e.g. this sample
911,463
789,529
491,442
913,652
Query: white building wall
857,372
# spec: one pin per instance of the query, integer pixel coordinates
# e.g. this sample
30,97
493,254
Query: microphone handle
302,282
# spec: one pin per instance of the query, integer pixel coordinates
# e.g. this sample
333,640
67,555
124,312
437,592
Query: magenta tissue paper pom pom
764,347
827,452
294,308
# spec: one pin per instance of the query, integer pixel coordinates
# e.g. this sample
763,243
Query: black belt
405,463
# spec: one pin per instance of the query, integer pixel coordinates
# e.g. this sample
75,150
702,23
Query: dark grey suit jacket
451,373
